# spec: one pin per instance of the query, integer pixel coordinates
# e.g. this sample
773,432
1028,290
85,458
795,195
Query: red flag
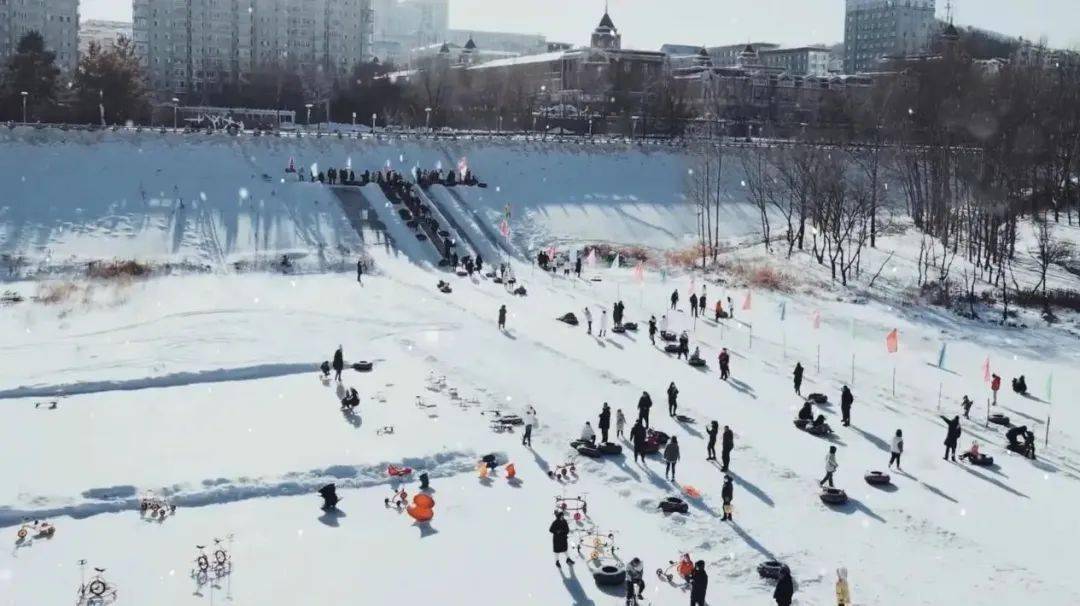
817,320
746,302
986,369
639,272
892,341
504,228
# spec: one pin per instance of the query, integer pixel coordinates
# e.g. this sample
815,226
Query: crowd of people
449,178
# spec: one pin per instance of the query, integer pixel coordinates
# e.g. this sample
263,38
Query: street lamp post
24,96
373,117
309,106
175,112
633,127
427,118
354,118
101,105
500,124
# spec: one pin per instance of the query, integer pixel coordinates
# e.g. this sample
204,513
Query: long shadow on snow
994,481
741,387
354,419
655,480
750,488
573,587
689,428
876,441
330,517
937,491
751,541
854,505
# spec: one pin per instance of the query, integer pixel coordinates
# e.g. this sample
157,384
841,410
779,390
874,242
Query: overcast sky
647,24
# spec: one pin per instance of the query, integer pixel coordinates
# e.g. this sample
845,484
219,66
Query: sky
646,24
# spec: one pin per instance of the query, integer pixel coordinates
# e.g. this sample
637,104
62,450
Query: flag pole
818,371
852,368
751,345
894,379
939,386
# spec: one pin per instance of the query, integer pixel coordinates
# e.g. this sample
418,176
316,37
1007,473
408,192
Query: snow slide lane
401,236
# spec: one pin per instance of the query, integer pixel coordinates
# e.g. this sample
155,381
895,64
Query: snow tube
398,472
589,451
833,496
631,326
362,366
877,478
818,398
674,505
610,573
697,362
668,336
1000,419
570,319
771,569
579,442
619,329
983,460
610,448
684,419
801,423
423,500
671,348
1019,449
420,514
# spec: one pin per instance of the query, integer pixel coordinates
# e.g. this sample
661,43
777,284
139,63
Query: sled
363,366
818,398
877,478
1000,419
771,569
691,492
672,348
834,496
667,335
398,472
697,362
674,505
684,419
609,573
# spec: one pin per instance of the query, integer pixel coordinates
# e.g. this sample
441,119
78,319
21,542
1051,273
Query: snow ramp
370,197
487,240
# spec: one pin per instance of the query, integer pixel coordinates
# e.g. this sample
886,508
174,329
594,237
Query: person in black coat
672,399
577,266
713,429
727,493
674,298
643,406
479,264
785,589
846,400
693,305
728,445
952,436
560,530
605,423
806,413
798,378
360,271
502,317
699,584
637,438
652,330
339,364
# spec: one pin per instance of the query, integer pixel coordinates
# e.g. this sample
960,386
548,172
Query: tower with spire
606,35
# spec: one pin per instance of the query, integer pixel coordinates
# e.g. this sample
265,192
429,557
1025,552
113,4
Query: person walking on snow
560,530
671,457
798,378
702,309
712,430
727,493
588,321
530,421
896,449
588,435
339,364
785,588
652,330
830,467
724,359
360,271
699,583
643,406
674,298
952,436
846,400
966,405
995,385
603,323
637,437
479,264
672,399
605,423
577,266
843,592
731,308
727,445
502,317
693,305
684,346
663,324
620,423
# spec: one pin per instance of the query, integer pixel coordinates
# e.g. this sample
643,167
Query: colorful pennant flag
892,341
746,302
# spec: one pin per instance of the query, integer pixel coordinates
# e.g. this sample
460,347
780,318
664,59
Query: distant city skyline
648,24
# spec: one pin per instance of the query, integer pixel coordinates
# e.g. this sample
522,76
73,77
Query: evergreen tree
109,85
32,69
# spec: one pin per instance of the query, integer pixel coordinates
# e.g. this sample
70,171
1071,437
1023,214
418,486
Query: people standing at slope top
588,321
652,330
727,446
702,309
798,378
339,364
502,317
360,271
637,438
966,404
725,360
603,323
530,422
995,385
620,423
846,400
952,436
727,495
672,399
605,423
712,430
693,305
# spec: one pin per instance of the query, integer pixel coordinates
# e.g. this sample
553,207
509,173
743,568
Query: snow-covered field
203,389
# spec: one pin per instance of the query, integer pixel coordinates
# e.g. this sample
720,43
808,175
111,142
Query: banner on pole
746,302
892,341
639,272
986,370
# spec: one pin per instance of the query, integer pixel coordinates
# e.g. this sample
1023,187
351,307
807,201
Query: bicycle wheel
221,556
98,587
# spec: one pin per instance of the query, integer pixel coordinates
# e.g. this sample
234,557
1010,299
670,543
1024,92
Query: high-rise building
56,20
875,29
404,25
200,46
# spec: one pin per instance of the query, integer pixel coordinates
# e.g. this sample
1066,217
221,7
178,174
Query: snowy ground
202,388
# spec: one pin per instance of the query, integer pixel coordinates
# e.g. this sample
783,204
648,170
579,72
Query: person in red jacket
995,385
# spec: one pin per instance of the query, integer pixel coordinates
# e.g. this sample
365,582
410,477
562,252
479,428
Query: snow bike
98,591
213,567
399,499
683,569
501,423
593,546
157,508
37,529
578,505
565,472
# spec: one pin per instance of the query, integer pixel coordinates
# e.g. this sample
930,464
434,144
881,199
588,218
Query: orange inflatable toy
692,492
420,514
511,471
423,501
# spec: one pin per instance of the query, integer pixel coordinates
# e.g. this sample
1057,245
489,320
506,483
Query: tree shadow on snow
750,488
573,587
614,343
330,517
938,492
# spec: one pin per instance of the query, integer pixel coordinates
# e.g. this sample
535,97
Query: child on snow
620,423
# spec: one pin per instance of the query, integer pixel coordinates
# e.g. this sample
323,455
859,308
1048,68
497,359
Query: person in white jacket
587,433
588,321
897,449
530,422
663,323
603,323
830,467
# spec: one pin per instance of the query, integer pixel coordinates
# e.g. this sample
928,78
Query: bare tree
1048,250
760,183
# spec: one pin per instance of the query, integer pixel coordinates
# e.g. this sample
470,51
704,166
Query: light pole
101,105
500,124
354,118
427,118
309,106
175,112
24,96
590,127
373,117
633,126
